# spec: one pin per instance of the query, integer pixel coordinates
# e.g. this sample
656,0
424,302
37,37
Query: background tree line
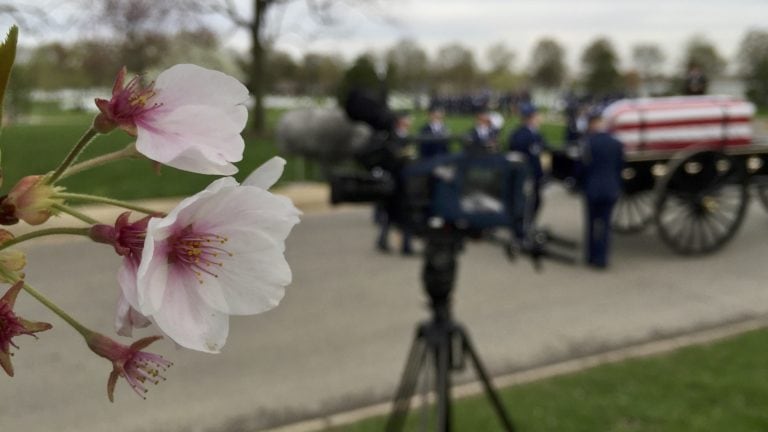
404,67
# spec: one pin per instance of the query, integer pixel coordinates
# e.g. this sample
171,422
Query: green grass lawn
717,387
38,148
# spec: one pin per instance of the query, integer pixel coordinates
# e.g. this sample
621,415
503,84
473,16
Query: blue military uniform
390,211
435,140
530,143
603,160
481,140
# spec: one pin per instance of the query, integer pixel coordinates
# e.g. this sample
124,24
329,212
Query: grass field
717,387
38,148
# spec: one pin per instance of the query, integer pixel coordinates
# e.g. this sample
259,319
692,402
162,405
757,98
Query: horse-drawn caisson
690,163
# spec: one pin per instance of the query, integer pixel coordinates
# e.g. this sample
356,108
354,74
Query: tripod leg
487,385
443,382
407,385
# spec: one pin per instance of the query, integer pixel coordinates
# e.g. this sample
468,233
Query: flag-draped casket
673,123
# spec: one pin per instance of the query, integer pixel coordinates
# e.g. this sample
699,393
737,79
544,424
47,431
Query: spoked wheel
762,193
702,203
633,212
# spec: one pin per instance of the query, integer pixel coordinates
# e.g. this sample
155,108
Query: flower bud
32,200
101,123
11,261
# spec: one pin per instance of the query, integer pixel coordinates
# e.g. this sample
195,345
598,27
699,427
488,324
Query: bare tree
322,11
30,17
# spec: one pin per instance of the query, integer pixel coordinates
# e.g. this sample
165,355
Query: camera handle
446,341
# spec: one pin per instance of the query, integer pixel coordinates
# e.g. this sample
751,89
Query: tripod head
446,241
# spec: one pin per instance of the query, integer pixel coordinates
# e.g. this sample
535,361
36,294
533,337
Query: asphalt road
340,337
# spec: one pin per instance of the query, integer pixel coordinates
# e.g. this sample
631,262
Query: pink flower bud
32,200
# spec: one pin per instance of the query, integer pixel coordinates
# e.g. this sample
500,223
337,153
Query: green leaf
7,56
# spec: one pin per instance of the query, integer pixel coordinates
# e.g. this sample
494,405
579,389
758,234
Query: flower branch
104,200
86,139
43,233
126,153
75,213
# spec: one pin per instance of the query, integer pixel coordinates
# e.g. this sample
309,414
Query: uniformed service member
387,213
602,158
527,140
483,137
433,135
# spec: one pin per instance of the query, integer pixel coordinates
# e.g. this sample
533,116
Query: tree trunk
256,75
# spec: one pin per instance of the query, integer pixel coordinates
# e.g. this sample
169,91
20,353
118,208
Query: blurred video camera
471,192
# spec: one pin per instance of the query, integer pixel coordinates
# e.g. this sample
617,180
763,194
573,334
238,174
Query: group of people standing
598,172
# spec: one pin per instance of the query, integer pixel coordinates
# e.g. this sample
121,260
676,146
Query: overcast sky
518,23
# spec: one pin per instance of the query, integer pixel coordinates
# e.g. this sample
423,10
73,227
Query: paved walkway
339,339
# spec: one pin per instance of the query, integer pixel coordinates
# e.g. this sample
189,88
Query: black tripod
446,340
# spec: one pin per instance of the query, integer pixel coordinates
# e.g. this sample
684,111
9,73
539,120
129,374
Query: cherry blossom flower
190,118
12,325
139,368
218,253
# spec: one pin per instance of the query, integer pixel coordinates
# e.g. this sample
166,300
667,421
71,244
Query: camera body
471,192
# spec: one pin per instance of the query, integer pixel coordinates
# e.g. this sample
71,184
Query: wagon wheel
702,203
762,193
633,212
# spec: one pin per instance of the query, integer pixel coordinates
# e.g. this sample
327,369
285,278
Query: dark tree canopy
455,67
753,64
701,53
361,75
407,65
547,66
600,72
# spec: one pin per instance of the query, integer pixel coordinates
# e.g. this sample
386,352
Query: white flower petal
252,280
188,320
192,84
127,318
152,276
247,206
193,160
186,138
197,121
126,277
267,174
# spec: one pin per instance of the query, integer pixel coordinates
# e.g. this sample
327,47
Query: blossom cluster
218,253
